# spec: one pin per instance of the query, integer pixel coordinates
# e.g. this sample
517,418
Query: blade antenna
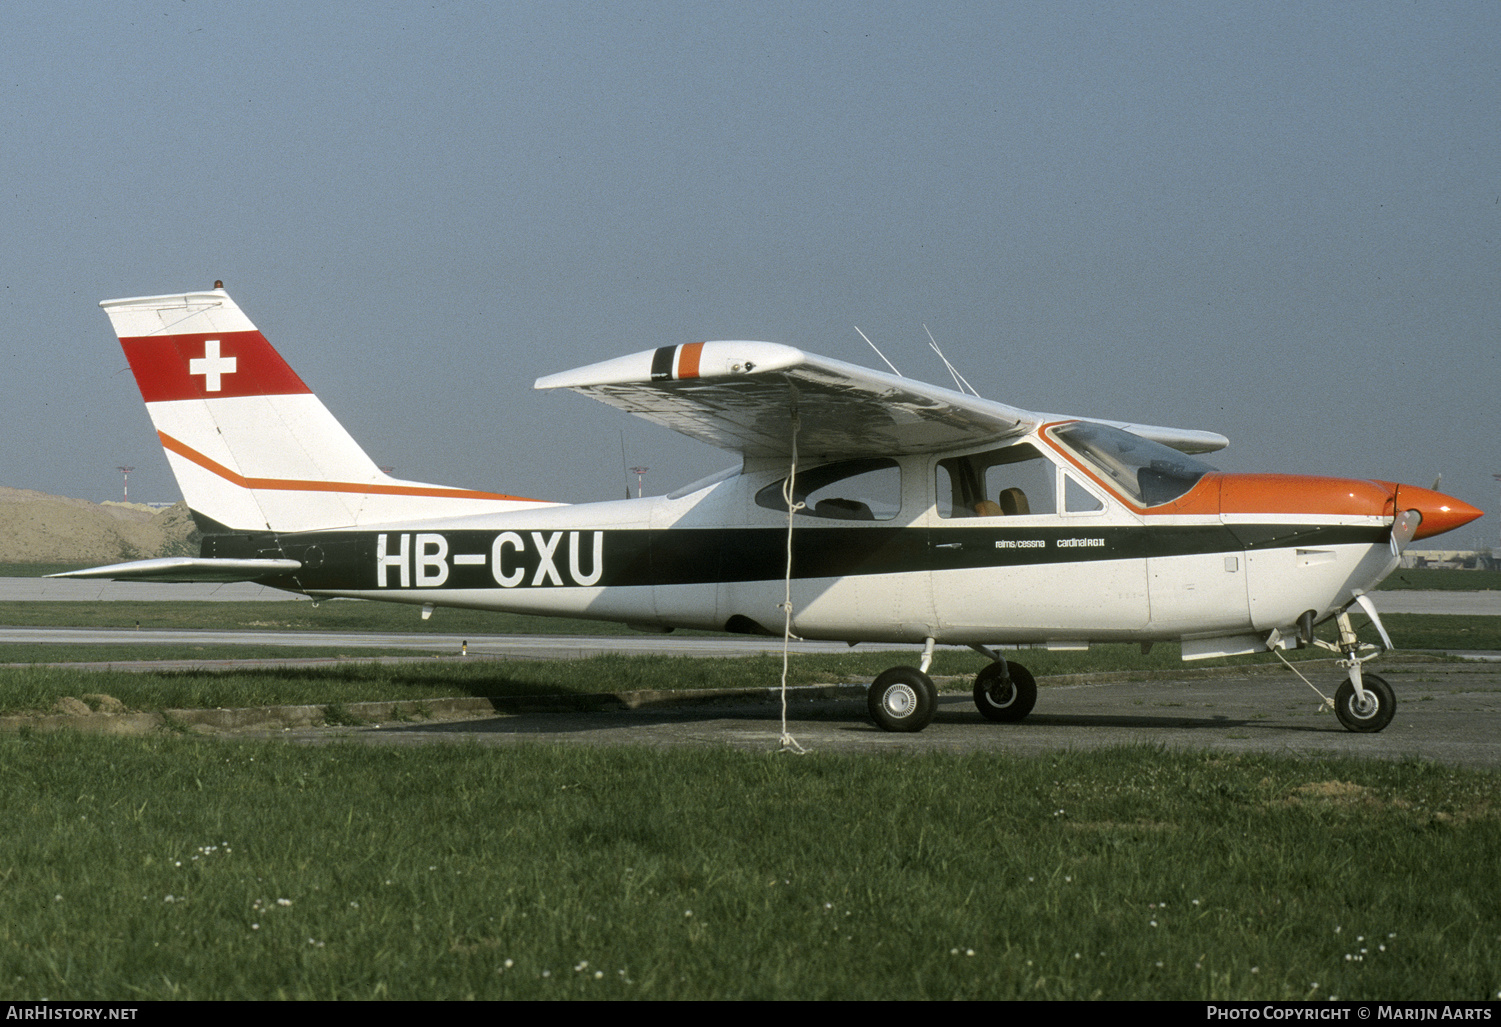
960,382
624,470
879,353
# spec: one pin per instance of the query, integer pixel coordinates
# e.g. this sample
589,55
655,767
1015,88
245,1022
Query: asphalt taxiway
1448,713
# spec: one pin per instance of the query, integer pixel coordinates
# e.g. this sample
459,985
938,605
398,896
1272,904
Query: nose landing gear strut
1363,702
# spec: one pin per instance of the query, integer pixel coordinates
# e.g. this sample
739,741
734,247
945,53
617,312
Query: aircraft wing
177,569
740,396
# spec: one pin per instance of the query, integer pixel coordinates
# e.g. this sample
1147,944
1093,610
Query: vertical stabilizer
251,445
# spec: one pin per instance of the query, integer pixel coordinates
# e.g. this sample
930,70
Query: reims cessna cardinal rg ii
917,515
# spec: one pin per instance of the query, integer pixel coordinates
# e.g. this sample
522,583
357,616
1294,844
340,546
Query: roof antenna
959,380
626,471
880,354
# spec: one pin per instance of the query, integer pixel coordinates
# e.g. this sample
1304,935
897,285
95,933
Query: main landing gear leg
1364,702
1005,692
904,698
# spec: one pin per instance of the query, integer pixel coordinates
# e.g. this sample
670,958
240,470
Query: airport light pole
125,474
639,472
1498,479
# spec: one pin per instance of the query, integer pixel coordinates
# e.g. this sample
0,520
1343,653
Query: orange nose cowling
1441,513
1290,493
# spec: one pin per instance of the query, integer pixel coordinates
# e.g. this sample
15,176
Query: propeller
1404,527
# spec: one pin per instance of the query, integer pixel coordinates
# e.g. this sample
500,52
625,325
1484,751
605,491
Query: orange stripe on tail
295,485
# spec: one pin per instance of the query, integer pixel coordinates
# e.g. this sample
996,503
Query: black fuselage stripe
364,560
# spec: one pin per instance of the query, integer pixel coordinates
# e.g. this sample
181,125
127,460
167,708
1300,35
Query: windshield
1147,471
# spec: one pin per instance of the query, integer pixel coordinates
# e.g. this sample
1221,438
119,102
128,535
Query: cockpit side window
1009,482
1077,498
867,489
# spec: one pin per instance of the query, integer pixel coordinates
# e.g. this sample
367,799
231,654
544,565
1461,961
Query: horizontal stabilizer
186,569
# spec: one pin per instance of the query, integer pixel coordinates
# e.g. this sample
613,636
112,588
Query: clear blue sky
1276,221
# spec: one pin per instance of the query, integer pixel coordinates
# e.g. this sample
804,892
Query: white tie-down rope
789,491
1327,701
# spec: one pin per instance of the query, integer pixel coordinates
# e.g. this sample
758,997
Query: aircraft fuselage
901,558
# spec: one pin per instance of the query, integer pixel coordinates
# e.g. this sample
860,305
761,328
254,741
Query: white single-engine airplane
887,510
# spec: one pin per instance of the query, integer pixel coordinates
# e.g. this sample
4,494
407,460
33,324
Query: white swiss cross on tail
211,365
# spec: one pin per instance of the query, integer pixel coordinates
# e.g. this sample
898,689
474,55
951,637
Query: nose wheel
1368,712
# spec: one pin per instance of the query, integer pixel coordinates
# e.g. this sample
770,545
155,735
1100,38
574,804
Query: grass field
182,868
1443,580
178,867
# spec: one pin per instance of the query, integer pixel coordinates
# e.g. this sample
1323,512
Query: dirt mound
38,528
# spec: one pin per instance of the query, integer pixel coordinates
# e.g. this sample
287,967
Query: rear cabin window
1010,482
868,489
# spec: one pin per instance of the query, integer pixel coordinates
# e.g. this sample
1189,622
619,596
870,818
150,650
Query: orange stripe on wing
296,485
688,358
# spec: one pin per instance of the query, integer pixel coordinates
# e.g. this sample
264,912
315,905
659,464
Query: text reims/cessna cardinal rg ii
922,515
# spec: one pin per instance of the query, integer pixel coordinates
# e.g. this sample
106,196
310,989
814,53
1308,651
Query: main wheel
1372,715
902,699
1003,701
